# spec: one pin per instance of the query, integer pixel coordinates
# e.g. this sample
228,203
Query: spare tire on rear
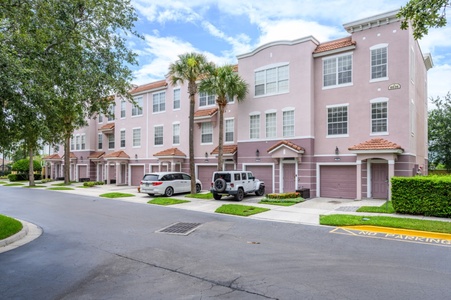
220,185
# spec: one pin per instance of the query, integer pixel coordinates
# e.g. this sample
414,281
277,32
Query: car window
150,177
243,175
186,177
237,176
225,176
177,176
249,176
167,177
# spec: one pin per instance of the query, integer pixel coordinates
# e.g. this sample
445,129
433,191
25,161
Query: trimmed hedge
22,177
422,195
283,195
23,165
92,183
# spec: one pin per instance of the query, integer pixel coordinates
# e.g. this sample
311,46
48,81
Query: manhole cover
180,228
334,202
348,208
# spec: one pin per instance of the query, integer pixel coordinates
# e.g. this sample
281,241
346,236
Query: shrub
23,166
283,195
22,177
92,183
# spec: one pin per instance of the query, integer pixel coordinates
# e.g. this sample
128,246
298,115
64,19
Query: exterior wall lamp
206,156
136,156
257,155
337,152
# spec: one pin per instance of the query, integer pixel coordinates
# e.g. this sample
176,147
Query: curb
15,237
29,233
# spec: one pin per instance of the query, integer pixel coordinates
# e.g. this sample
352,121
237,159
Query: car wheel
169,191
239,195
197,188
260,191
151,195
217,196
220,185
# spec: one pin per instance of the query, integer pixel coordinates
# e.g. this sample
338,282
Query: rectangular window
111,109
100,141
271,125
379,117
254,127
72,143
288,123
137,109
111,141
100,118
337,120
337,70
158,138
229,130
176,133
272,81
137,137
379,63
159,102
122,108
206,99
77,142
207,133
83,142
176,99
122,138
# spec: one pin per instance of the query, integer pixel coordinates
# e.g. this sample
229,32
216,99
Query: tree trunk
191,143
30,169
67,160
221,138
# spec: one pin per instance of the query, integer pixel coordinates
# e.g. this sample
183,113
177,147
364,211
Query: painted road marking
410,236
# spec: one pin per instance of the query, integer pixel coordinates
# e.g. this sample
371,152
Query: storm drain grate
348,208
180,228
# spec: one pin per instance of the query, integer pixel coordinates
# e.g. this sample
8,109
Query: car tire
239,195
220,185
260,191
169,191
197,188
151,195
217,196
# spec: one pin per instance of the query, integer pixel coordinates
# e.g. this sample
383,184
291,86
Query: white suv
237,183
167,183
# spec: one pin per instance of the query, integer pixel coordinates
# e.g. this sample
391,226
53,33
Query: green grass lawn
393,222
14,184
200,196
240,210
116,195
282,202
60,188
8,227
386,208
3,182
166,201
34,186
61,184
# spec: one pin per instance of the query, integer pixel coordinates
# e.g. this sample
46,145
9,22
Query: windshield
150,177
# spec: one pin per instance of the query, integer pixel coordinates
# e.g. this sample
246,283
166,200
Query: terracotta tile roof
71,155
226,149
52,156
108,126
376,144
117,154
286,143
95,155
336,44
149,86
170,152
205,112
235,68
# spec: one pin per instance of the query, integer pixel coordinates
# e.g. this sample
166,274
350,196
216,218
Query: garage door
137,173
82,172
264,173
338,182
205,174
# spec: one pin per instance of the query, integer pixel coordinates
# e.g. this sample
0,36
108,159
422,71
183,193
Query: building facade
339,118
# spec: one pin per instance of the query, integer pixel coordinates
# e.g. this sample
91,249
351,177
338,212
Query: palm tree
223,82
189,67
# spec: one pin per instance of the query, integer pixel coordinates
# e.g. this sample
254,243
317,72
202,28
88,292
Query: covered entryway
263,173
379,180
338,182
136,174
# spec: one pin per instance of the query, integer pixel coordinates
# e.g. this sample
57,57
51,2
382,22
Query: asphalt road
94,248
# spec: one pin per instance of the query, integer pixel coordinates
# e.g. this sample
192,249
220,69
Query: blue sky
224,29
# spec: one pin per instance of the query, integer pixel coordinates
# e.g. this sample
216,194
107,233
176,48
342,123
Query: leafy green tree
439,131
423,15
189,67
225,83
23,165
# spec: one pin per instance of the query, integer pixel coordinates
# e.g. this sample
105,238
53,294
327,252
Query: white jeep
237,183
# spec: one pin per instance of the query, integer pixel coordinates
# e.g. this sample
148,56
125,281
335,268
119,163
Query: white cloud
439,81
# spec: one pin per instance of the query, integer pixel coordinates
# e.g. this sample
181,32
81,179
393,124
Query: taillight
232,185
212,184
157,183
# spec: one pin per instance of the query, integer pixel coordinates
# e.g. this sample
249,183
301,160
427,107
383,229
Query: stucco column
107,172
391,173
359,180
118,173
52,169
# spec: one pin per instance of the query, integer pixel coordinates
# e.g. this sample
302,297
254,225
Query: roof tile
376,144
117,154
288,144
336,44
205,112
149,86
170,152
226,149
96,155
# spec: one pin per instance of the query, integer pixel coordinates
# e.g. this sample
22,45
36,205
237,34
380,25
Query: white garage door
338,182
137,173
264,173
205,174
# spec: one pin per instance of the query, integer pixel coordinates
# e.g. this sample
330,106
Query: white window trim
99,135
271,111
142,108
208,105
159,111
133,138
327,121
180,100
176,123
276,65
294,123
259,125
124,110
155,126
120,138
378,46
372,101
212,134
225,130
338,85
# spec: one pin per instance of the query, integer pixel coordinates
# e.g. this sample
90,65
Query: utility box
304,193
